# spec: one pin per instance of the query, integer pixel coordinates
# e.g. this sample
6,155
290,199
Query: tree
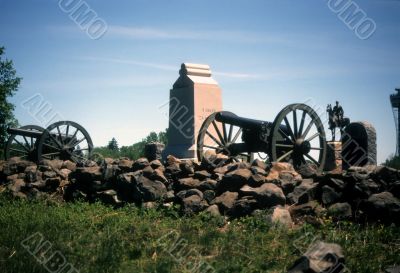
393,162
113,145
9,83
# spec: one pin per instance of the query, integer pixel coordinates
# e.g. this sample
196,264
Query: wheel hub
302,146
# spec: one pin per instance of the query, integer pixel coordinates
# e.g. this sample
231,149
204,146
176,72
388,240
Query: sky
264,54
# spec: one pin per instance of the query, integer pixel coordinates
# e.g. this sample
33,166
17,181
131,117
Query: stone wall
219,187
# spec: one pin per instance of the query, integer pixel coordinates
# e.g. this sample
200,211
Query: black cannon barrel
247,123
23,132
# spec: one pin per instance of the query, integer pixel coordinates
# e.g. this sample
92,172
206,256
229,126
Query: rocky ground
221,187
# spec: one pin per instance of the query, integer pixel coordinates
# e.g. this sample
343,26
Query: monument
194,96
359,145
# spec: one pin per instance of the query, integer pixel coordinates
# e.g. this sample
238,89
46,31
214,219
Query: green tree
9,83
113,145
393,162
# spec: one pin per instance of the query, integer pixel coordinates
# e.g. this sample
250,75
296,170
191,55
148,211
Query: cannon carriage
65,140
296,135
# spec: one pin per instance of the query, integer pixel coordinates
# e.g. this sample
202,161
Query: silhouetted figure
336,119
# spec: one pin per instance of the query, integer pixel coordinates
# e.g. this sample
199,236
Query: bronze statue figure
336,119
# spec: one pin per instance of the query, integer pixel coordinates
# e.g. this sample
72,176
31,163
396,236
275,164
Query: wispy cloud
161,33
167,67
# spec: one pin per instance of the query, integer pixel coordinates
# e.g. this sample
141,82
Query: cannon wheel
22,146
65,140
220,136
298,136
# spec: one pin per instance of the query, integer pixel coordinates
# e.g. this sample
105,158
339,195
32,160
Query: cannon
296,135
65,140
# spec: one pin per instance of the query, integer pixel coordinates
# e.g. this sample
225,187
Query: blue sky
264,54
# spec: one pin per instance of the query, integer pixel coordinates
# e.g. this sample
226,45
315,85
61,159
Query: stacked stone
220,187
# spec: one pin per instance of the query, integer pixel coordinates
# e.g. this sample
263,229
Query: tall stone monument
359,145
195,95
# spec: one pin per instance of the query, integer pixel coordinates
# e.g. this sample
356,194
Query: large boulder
267,196
146,190
226,201
320,257
242,207
234,180
304,193
382,207
186,183
193,204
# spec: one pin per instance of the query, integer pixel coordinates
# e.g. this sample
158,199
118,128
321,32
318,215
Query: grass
97,238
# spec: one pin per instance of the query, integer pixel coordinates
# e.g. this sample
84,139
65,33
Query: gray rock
153,150
209,195
140,164
108,197
193,204
256,180
280,216
226,200
125,164
213,210
320,257
242,207
267,196
234,180
88,174
393,269
312,208
202,175
148,190
303,193
382,207
155,164
395,189
186,183
258,170
16,185
340,211
329,195
209,184
259,164
187,193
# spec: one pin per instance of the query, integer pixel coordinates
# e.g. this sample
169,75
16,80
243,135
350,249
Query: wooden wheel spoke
22,145
313,136
284,134
315,148
312,159
218,132
224,131
284,146
295,123
210,147
303,118
230,133
73,136
59,133
215,140
17,150
55,140
284,156
26,141
67,131
50,146
289,128
50,154
78,142
237,135
307,129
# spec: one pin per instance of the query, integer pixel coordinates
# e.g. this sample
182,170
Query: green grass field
96,238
